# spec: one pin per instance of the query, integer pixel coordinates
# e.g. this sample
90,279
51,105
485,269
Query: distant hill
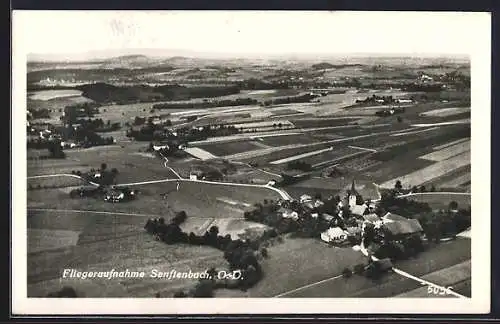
322,66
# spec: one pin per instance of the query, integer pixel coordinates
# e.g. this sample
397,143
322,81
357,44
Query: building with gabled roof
398,225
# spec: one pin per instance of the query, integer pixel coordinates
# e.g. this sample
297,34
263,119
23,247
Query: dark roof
401,227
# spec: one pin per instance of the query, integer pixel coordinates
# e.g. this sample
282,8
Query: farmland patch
229,148
43,239
55,182
300,156
199,153
441,200
433,171
445,112
323,122
448,152
287,139
299,262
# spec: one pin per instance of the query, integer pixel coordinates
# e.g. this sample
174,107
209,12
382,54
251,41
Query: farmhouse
359,210
371,218
334,235
305,199
398,226
288,213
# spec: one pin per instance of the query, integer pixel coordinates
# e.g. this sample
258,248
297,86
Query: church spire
353,187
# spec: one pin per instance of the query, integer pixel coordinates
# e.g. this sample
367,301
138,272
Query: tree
347,273
398,185
103,166
214,230
359,269
400,119
453,205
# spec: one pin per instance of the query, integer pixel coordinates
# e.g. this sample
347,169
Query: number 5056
439,290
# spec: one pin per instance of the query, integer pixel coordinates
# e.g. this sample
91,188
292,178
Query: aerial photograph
223,161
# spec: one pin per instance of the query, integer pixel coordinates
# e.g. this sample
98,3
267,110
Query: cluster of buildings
351,217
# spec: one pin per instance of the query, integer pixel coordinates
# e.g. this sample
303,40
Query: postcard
269,162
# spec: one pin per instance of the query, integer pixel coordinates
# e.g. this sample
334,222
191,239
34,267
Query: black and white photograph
269,162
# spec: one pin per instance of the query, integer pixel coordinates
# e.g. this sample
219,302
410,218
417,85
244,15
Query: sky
93,34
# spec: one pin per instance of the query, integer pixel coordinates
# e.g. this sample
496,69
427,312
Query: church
353,198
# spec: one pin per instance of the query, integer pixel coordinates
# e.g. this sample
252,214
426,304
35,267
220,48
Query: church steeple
352,195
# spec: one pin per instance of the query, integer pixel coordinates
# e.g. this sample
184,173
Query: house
371,218
334,235
328,217
399,226
305,198
359,210
353,231
288,213
318,203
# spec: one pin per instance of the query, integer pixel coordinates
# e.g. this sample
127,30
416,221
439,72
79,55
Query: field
56,181
448,277
439,257
456,180
433,171
448,152
230,148
445,112
197,199
299,262
438,200
287,139
281,112
322,122
334,156
46,95
110,242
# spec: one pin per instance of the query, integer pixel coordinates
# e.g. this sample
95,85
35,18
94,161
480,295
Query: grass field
43,240
439,200
197,199
58,181
229,148
436,258
433,171
287,139
280,112
456,180
322,122
445,112
448,152
104,242
299,262
439,147
334,156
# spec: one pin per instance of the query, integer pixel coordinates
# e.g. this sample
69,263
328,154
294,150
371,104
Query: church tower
352,195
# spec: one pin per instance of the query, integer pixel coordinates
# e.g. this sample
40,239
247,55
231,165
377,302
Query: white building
334,235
